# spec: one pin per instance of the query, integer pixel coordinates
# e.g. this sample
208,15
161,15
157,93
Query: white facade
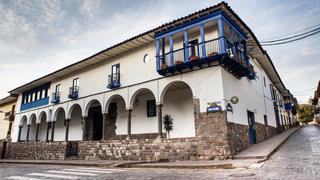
141,82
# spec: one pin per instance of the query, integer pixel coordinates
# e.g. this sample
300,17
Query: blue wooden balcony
73,92
55,98
34,104
114,81
228,49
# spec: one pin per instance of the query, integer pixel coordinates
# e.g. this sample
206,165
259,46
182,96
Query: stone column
159,111
48,127
104,126
37,132
19,134
129,124
67,130
84,128
52,130
28,131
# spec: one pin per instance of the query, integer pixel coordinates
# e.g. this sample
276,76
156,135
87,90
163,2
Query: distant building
316,105
7,115
207,70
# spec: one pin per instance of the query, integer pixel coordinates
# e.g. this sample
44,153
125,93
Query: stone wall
153,149
37,150
238,137
2,144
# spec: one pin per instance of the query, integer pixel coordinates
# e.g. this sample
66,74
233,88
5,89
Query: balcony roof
140,40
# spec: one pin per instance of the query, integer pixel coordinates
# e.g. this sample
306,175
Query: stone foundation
153,149
238,137
37,150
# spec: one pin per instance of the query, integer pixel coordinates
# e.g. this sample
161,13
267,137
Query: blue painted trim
203,45
163,51
34,104
232,40
221,34
186,49
158,53
171,50
202,20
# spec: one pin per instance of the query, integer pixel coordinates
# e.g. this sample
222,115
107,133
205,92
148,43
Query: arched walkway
177,101
117,117
23,128
33,127
144,114
75,124
93,123
42,134
58,127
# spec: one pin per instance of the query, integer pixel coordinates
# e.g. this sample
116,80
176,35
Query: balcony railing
74,92
55,97
114,81
205,53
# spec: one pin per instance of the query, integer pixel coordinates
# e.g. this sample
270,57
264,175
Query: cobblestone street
298,158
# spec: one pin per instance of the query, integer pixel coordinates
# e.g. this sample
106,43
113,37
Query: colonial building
207,70
7,113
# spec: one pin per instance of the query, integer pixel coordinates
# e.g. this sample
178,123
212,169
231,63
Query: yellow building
7,110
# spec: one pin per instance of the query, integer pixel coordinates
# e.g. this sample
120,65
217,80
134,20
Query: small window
29,98
58,88
151,108
38,95
146,58
43,94
33,96
75,82
265,120
264,81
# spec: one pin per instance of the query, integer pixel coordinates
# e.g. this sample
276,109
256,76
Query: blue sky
38,37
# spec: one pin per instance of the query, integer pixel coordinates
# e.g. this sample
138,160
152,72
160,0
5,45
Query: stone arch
171,85
112,98
24,126
32,117
89,104
22,120
42,115
73,106
177,100
134,95
57,111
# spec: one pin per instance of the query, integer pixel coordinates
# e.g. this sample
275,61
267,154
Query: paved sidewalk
266,148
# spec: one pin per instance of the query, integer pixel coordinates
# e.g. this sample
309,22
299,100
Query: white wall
253,95
75,125
179,104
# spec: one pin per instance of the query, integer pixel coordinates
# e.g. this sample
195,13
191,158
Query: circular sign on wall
234,100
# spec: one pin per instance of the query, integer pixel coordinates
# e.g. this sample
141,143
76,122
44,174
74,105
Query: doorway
252,132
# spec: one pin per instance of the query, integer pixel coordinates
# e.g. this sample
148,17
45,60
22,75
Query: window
33,96
265,120
75,82
58,88
264,81
146,58
29,98
43,93
38,95
151,108
272,92
194,47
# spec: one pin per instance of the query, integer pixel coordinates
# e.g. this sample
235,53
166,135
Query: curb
59,163
213,166
277,148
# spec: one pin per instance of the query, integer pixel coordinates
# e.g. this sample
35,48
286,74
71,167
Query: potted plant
168,123
178,62
164,66
194,58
